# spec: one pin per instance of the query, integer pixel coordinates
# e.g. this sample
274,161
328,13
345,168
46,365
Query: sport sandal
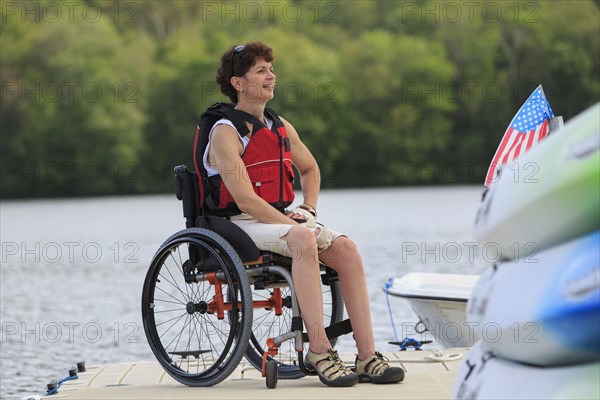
376,369
332,371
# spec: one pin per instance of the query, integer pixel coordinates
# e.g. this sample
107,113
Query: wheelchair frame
207,273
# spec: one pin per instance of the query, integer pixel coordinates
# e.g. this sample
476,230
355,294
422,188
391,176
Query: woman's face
258,83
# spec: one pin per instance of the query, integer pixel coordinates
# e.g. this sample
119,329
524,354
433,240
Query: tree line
103,97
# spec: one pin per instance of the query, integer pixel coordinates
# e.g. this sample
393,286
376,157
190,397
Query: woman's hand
295,216
323,235
301,213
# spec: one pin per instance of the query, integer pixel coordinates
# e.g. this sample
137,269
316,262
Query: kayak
542,310
482,375
551,194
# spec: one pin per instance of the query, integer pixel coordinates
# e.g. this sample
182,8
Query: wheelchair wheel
197,307
267,324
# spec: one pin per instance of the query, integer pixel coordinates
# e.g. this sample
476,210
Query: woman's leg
343,256
307,282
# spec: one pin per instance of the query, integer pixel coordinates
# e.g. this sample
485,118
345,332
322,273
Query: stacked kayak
536,312
549,195
544,312
484,376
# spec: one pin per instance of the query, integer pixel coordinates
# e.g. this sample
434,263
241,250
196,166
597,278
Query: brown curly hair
242,62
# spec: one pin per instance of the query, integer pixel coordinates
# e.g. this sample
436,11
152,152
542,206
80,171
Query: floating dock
429,375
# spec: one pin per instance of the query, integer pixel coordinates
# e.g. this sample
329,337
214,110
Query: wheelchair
211,297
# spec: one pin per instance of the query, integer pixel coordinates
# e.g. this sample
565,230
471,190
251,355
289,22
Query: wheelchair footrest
338,329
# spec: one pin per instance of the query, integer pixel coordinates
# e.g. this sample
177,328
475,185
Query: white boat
440,302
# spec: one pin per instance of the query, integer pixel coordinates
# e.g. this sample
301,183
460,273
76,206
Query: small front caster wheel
271,373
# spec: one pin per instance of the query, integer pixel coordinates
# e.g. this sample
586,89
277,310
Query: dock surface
429,375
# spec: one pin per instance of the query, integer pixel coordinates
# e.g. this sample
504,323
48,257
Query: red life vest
267,158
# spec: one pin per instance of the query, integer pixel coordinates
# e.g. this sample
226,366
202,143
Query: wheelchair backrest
186,190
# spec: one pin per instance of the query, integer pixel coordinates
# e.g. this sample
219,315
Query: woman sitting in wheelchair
248,157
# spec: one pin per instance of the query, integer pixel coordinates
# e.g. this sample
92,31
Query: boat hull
440,302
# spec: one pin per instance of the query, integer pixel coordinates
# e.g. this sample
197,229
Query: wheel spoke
169,328
181,269
178,336
168,301
185,295
164,311
170,295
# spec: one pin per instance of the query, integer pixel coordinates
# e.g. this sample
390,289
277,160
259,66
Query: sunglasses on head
237,49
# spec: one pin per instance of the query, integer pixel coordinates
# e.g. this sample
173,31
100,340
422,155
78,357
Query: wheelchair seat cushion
241,242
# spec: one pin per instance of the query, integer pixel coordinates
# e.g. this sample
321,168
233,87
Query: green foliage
104,98
72,107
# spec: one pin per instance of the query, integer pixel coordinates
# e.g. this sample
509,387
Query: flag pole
555,124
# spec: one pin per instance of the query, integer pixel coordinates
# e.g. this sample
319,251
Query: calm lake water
72,270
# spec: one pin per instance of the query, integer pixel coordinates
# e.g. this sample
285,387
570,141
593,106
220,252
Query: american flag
528,127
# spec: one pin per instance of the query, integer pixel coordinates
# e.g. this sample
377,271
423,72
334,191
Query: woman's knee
343,254
346,248
347,245
302,244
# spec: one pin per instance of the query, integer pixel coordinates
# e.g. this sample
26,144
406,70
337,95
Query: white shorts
268,237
